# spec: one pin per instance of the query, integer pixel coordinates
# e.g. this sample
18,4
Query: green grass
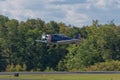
65,77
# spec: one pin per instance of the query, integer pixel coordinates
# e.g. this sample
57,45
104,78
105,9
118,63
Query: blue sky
74,12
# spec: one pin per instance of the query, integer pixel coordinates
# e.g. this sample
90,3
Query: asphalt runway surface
31,73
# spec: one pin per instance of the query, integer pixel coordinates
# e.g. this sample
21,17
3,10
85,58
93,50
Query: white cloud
76,18
16,9
101,3
24,9
97,3
75,14
104,4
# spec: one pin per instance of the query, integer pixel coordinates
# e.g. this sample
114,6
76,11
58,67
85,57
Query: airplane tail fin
78,36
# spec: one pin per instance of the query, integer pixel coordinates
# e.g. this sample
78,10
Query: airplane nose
43,38
46,37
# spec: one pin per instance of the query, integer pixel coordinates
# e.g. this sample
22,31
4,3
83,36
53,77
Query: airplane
59,39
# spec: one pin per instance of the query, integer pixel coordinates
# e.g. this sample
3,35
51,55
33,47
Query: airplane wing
68,41
72,41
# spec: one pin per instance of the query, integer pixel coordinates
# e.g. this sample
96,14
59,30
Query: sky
71,12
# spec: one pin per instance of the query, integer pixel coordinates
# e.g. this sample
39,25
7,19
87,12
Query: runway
33,73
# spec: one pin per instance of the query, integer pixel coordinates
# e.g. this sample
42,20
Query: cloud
17,9
47,10
77,18
104,4
74,12
27,8
97,3
73,15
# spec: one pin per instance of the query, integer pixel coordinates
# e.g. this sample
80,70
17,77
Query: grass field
64,77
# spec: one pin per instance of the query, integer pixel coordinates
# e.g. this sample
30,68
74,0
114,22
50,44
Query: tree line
99,46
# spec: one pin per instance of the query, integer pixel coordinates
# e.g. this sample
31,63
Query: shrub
18,67
105,66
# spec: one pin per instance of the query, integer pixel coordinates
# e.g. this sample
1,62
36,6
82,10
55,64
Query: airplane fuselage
58,39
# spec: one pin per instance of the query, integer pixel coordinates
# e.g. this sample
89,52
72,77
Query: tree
105,66
3,20
52,27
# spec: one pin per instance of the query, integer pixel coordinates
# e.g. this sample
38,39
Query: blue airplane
59,39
